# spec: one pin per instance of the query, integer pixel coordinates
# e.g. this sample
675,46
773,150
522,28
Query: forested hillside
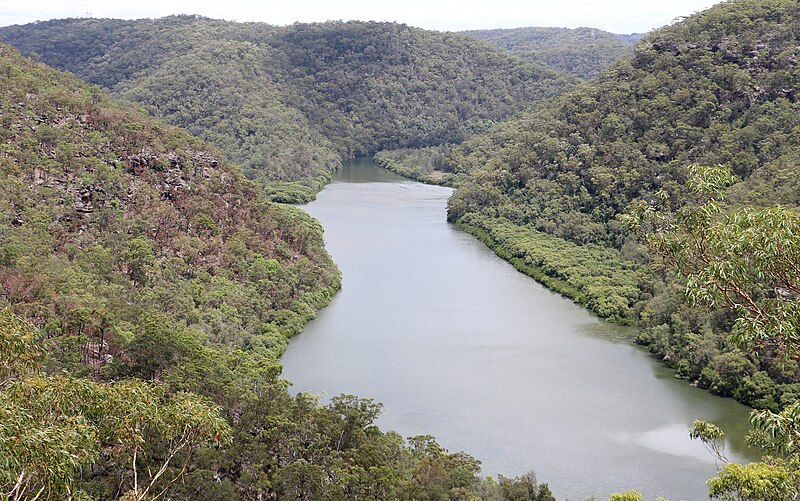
289,103
104,208
146,289
581,52
720,87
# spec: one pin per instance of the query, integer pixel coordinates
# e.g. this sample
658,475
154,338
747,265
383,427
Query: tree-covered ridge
288,103
716,88
581,52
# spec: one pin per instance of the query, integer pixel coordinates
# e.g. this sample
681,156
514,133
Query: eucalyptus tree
52,427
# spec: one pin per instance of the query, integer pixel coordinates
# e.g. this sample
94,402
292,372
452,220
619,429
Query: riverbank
594,277
627,293
296,192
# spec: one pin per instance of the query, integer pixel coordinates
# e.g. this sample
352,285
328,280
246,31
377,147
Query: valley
155,266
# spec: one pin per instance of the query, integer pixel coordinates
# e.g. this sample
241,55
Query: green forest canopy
289,103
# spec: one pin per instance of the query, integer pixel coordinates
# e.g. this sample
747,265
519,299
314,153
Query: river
457,344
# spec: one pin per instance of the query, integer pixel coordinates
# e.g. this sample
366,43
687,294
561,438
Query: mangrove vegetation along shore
421,164
593,276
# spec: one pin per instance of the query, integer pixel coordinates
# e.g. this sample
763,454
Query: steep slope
718,87
581,52
288,103
103,206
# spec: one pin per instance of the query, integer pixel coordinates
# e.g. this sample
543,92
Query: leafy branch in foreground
712,437
747,259
53,426
776,476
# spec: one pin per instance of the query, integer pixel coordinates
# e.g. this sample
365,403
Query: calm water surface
456,343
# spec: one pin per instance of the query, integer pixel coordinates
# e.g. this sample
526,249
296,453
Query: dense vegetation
146,289
108,216
717,88
581,52
289,103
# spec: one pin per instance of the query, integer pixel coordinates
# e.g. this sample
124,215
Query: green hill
289,103
581,52
717,88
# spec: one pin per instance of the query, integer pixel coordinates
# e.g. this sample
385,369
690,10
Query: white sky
618,16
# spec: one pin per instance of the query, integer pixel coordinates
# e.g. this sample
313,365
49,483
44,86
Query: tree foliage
753,482
744,259
777,476
747,259
53,426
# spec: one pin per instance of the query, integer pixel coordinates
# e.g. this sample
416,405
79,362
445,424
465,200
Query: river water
457,344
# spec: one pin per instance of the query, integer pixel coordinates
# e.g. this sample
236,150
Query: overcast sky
619,16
